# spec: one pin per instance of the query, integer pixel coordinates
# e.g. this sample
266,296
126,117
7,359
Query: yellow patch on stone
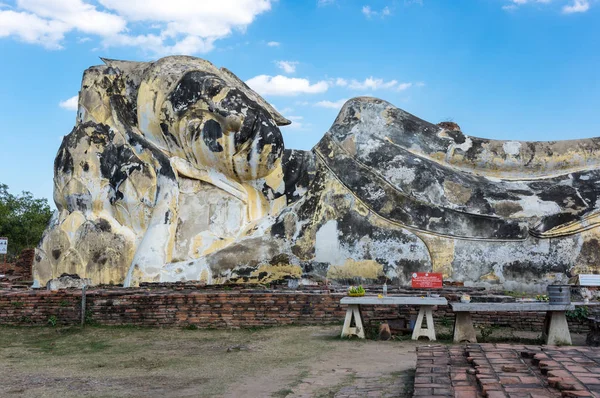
218,244
278,205
457,193
490,277
275,178
441,251
349,145
361,209
275,272
439,156
204,276
368,269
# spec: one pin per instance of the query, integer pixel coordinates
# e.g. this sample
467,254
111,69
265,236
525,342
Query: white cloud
332,104
341,82
372,83
521,2
273,44
181,26
70,104
366,10
577,6
287,66
32,29
297,123
370,13
323,3
77,15
285,86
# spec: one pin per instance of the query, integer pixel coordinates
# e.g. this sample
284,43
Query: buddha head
209,118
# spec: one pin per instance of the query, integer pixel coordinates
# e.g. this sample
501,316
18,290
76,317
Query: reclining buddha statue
176,171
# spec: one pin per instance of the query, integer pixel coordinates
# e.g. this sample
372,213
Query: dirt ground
129,362
283,362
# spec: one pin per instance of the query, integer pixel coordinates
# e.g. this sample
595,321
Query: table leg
360,331
353,311
425,311
463,328
347,321
558,328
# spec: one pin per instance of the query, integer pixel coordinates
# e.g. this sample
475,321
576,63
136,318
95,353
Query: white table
425,304
556,328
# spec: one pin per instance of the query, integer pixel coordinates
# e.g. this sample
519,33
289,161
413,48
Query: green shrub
52,320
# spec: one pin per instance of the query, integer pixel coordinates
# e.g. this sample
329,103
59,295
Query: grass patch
282,393
409,385
329,392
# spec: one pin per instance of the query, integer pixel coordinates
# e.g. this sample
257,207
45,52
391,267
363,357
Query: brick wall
21,267
215,309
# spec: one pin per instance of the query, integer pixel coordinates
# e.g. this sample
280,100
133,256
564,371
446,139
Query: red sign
426,280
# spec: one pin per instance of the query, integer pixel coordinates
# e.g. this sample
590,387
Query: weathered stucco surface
176,170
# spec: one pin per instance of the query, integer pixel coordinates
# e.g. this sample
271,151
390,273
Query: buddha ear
253,95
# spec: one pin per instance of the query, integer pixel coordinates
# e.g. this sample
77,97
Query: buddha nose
232,123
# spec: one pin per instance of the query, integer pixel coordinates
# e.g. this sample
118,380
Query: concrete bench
425,304
556,328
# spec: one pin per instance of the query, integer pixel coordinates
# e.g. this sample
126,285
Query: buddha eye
229,121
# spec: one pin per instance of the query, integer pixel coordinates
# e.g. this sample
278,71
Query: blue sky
504,69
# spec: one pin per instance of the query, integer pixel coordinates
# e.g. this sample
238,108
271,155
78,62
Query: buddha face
215,126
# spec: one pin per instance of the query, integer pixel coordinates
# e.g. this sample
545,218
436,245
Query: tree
22,219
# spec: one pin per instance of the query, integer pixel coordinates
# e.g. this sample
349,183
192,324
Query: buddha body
176,170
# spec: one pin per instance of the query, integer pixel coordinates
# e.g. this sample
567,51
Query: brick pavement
507,371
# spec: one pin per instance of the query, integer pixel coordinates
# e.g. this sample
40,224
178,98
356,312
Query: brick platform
507,371
207,308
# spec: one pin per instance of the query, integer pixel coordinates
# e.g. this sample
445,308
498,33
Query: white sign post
3,245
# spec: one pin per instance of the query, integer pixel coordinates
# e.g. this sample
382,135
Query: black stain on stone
99,258
407,267
164,164
278,229
189,90
262,275
211,133
103,225
116,164
476,147
126,110
280,259
457,136
298,172
56,253
169,137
